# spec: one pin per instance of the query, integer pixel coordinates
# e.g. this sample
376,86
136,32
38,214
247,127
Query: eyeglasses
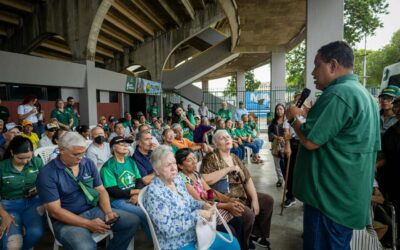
123,144
386,98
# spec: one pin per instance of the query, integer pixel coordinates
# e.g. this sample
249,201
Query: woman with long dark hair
186,120
20,208
276,137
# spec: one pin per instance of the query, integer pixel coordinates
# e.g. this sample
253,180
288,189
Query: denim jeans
320,232
217,244
238,152
253,147
74,237
259,142
125,205
28,218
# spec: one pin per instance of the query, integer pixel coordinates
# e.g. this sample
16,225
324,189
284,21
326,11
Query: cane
286,181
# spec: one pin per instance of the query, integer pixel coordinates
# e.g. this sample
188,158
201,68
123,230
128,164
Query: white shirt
99,155
24,109
203,111
45,142
286,124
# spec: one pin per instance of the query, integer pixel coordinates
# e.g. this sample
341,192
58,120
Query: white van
391,76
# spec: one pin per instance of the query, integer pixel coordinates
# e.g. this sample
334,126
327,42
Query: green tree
250,82
360,17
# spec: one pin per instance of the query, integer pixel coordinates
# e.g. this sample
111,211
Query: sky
391,23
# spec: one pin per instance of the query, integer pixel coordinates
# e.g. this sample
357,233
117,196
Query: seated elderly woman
122,180
181,142
231,209
173,211
22,221
225,172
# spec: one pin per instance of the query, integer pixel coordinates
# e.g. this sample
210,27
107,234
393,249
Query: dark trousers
262,222
236,226
294,146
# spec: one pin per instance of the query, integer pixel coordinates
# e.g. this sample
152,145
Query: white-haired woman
171,208
225,173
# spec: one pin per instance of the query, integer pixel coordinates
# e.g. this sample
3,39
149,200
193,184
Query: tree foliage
251,84
361,17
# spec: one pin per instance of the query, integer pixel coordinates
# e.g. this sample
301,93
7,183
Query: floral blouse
174,215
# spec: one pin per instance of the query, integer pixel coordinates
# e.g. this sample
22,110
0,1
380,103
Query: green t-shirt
63,117
4,114
73,115
250,127
154,111
187,132
241,132
231,132
337,177
15,184
225,114
123,175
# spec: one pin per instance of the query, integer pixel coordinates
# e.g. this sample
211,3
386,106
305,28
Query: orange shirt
184,143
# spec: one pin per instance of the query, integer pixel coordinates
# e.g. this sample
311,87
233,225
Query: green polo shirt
249,127
154,111
337,177
225,114
123,175
231,132
74,116
14,184
62,117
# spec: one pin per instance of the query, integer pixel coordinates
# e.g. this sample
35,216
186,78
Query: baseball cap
197,116
391,90
12,125
51,126
26,123
119,139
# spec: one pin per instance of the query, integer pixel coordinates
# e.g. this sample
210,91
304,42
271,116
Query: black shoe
289,202
262,242
251,245
279,184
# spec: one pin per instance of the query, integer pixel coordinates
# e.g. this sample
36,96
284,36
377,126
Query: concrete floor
286,230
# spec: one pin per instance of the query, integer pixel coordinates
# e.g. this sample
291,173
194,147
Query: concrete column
204,85
240,87
324,25
88,102
278,79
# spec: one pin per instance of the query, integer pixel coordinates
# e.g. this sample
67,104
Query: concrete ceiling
265,26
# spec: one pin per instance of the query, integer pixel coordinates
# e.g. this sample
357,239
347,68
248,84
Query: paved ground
286,229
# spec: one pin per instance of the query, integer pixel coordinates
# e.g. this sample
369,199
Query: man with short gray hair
72,192
142,156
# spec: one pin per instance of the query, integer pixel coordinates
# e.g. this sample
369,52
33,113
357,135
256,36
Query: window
17,92
113,96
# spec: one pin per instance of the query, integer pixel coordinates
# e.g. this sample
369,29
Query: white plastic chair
45,152
248,155
153,233
96,237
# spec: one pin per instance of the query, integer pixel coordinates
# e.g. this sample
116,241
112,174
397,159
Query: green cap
391,90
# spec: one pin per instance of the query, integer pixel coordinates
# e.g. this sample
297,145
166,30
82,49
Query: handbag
206,230
91,194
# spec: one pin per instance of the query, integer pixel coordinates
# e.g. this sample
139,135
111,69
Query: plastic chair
45,152
153,233
96,237
248,155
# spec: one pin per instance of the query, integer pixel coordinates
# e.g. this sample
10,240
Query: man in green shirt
224,112
70,108
153,111
336,159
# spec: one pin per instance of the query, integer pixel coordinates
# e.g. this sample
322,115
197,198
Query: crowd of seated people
94,175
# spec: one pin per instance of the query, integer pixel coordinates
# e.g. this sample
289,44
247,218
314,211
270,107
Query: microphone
304,94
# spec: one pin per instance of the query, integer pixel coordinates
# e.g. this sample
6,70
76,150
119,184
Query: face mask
99,139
